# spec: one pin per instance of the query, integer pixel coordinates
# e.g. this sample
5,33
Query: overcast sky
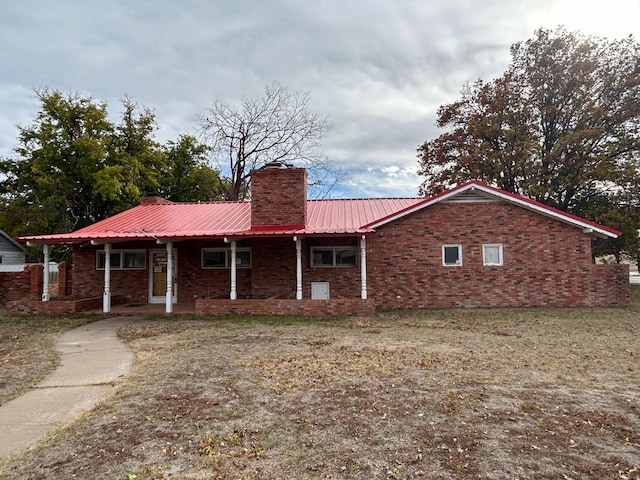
378,69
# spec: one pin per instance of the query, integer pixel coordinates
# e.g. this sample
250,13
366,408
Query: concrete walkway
92,360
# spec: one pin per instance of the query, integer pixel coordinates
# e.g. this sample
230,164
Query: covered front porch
262,275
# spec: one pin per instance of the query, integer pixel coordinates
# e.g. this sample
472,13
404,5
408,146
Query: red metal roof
344,216
176,221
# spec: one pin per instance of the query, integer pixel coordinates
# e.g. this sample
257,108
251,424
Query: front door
158,276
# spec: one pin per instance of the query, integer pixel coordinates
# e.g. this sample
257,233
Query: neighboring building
474,245
11,252
14,281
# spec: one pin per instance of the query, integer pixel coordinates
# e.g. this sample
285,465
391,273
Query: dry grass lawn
28,349
437,394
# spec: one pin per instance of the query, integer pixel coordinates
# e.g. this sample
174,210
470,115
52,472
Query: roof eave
587,226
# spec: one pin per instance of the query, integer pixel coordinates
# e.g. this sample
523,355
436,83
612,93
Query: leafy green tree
73,166
49,186
188,177
134,163
561,125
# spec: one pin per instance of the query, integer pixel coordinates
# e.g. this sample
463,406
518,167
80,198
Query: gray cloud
378,69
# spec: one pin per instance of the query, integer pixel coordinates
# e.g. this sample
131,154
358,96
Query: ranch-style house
471,246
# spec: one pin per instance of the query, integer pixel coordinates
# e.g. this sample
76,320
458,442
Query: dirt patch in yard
484,393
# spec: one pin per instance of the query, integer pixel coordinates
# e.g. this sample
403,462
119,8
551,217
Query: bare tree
275,128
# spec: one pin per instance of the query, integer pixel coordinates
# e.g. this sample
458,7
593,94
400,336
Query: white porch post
298,267
233,295
169,298
363,268
106,296
45,274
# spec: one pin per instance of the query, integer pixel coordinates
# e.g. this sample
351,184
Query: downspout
298,267
169,297
45,275
363,268
106,296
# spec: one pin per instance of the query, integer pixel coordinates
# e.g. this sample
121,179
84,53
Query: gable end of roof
475,191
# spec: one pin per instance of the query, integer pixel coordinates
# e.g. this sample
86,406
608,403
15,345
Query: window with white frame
452,255
492,254
221,258
122,259
333,256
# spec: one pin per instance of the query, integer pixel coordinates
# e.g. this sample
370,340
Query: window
345,256
243,258
122,259
492,254
214,258
221,257
452,255
333,256
321,257
134,259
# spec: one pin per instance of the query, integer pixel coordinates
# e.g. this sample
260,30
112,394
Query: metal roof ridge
362,198
213,202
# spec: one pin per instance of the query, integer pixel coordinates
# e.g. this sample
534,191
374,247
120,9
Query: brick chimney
153,200
278,196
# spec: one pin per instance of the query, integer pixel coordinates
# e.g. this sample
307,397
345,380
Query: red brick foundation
283,306
57,307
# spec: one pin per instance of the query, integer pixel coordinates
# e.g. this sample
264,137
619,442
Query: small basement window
333,256
221,258
452,255
492,254
122,259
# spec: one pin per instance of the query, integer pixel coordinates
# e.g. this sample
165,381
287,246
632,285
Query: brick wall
26,284
279,306
196,282
54,307
273,271
133,285
274,268
546,262
65,279
344,282
278,197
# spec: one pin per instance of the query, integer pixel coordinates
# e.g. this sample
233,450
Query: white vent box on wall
319,290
